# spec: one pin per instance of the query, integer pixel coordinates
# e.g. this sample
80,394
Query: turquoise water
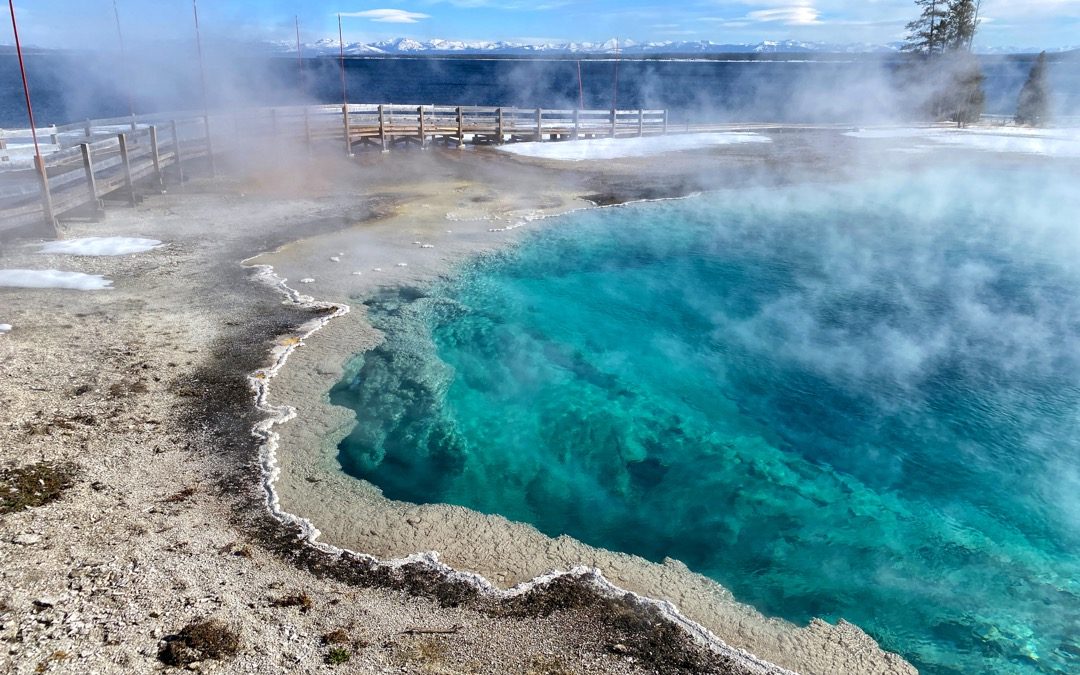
857,401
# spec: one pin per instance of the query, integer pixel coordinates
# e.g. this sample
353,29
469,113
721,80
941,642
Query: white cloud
789,16
389,15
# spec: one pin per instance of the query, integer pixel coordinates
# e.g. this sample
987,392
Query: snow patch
101,246
5,327
53,279
1022,140
616,148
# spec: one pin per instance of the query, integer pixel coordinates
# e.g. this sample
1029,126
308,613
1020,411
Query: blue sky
1038,23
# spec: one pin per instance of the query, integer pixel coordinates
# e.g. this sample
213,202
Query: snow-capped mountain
409,46
329,46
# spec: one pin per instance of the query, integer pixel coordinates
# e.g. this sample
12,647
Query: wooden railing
86,162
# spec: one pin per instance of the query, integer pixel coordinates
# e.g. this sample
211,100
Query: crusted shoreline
588,576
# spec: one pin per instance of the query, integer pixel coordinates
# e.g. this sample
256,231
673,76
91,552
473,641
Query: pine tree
1033,107
943,34
927,34
963,20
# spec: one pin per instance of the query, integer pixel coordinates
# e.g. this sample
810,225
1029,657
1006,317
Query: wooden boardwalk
89,162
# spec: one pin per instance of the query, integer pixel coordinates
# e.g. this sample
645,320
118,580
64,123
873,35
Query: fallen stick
433,631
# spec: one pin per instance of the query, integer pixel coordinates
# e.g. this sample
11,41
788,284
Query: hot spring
856,400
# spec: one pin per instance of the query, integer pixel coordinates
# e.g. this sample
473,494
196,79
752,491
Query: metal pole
580,88
202,77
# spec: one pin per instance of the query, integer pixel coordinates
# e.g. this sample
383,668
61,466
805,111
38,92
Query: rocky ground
133,530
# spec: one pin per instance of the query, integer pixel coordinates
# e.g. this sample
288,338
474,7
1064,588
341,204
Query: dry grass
301,600
34,485
198,641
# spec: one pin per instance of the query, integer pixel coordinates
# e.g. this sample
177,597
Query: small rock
26,539
46,601
335,258
358,274
619,649
403,264
309,280
413,520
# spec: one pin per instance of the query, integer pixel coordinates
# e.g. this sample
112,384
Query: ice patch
616,148
100,246
53,279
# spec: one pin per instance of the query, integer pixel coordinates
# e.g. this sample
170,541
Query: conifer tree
943,35
1033,107
927,34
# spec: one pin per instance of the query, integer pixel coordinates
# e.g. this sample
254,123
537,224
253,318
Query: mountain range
409,46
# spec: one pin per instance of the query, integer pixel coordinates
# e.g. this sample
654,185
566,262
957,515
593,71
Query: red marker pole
299,51
580,88
344,88
615,91
202,78
123,61
39,163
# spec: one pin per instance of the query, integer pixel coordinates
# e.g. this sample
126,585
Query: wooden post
54,137
134,124
155,154
125,159
665,122
382,128
307,127
577,124
614,121
209,146
3,140
499,125
89,130
91,181
640,123
460,128
539,125
179,157
345,121
46,193
423,130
